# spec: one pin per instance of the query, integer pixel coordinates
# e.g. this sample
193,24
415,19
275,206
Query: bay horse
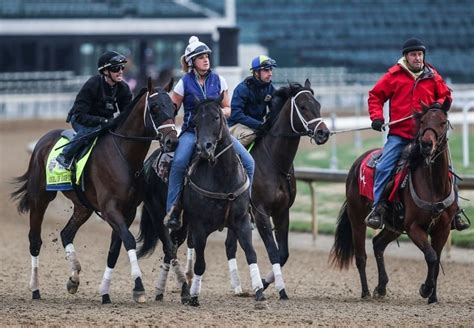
295,113
428,206
113,185
215,195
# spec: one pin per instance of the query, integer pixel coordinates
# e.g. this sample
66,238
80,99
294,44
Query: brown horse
113,185
427,207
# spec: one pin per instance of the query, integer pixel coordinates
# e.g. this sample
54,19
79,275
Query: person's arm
225,104
177,100
443,92
378,96
125,97
83,106
239,102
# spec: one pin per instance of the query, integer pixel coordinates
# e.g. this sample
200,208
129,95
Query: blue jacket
248,102
192,90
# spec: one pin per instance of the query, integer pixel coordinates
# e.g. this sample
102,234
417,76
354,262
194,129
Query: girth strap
218,195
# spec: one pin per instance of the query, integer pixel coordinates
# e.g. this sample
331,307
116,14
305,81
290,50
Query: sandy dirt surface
319,295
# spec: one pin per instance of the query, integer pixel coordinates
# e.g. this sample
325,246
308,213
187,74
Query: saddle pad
58,178
367,175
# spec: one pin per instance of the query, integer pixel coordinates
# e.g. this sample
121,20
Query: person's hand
377,125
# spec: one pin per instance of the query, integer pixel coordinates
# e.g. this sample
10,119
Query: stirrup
173,219
465,224
370,216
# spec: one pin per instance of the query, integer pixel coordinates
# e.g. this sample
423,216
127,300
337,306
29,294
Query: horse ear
424,106
150,85
446,105
307,84
170,85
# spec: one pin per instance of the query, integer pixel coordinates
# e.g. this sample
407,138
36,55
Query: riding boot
173,219
64,161
375,218
459,223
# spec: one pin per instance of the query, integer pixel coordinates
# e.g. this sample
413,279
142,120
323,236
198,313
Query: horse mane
124,114
280,97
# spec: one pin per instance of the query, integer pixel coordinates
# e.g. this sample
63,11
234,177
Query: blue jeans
182,157
72,148
392,151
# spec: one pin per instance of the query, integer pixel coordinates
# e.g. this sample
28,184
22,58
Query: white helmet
195,48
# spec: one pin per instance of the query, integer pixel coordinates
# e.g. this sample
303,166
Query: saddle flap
68,134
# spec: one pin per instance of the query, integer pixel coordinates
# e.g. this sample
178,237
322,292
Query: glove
104,121
377,125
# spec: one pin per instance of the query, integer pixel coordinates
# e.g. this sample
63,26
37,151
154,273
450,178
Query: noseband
294,108
147,112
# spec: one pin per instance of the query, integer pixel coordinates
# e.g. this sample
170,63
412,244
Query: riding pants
74,146
182,158
392,151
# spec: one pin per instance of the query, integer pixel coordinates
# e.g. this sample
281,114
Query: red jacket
405,94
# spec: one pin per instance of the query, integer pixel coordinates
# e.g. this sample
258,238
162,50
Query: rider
250,100
101,98
405,84
201,83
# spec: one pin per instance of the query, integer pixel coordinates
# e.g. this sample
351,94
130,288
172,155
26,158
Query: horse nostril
208,145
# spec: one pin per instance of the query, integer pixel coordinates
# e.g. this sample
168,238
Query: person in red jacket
406,84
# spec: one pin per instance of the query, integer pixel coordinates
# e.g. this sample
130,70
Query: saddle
161,164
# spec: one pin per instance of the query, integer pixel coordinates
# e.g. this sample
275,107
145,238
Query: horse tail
154,209
21,193
342,251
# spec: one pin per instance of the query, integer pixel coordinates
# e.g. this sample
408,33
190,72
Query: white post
465,133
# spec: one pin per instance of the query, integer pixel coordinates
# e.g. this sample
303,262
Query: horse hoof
72,286
36,295
380,292
283,296
365,295
259,295
159,297
265,284
185,296
194,301
432,299
139,296
106,299
425,291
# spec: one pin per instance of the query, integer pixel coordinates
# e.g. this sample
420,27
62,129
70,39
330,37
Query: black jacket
98,100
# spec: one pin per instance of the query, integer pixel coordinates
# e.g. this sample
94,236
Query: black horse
113,185
425,207
215,195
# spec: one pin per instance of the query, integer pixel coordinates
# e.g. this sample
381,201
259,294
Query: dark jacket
248,102
97,100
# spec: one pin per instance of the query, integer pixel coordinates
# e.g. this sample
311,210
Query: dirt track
318,294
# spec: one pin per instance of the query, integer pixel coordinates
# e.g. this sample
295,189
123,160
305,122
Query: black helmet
110,59
413,44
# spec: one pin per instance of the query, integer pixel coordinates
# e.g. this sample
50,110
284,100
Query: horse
112,182
215,195
295,113
427,206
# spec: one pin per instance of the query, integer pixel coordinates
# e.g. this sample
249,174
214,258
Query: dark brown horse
113,184
295,113
427,205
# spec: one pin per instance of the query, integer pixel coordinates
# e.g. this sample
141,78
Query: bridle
306,124
441,140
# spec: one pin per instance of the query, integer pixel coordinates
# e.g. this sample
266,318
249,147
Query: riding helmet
195,48
110,59
262,62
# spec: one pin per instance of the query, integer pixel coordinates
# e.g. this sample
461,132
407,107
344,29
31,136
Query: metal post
465,134
333,161
314,217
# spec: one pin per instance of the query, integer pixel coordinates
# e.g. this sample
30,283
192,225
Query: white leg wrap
196,286
106,280
189,263
180,278
234,277
279,283
255,277
160,284
74,264
270,277
34,280
132,255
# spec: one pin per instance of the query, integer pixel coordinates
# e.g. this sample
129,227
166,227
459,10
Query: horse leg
199,241
380,242
37,210
114,252
117,222
189,256
264,228
438,240
79,216
420,238
282,223
231,250
244,235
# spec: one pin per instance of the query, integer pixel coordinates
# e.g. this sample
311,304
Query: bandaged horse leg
279,283
195,290
138,291
189,265
234,277
181,280
104,288
34,280
75,268
160,284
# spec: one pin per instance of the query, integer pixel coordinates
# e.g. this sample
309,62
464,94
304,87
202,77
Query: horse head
433,128
159,115
210,124
305,111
